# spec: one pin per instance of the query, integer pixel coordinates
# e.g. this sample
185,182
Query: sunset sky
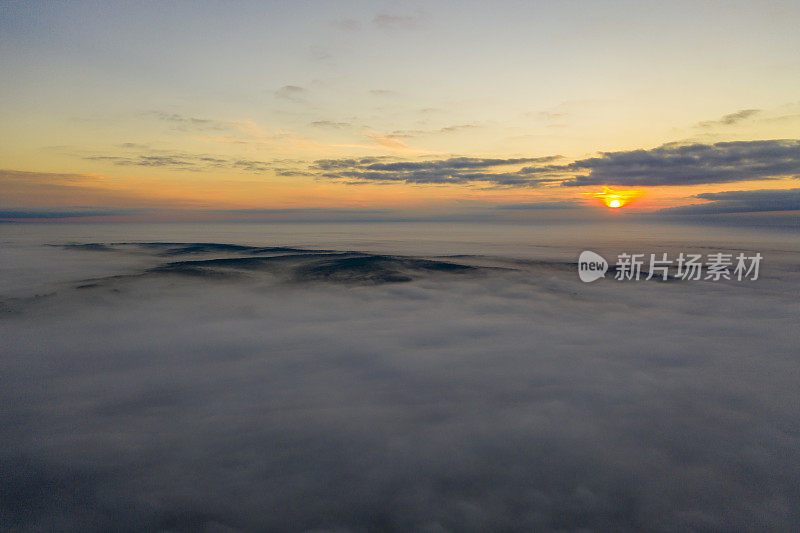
261,109
434,266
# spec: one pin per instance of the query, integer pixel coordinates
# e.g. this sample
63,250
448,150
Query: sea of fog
393,377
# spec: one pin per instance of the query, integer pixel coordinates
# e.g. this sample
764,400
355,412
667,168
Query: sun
615,199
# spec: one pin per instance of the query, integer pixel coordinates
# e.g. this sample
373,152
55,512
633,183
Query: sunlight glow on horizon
615,198
162,105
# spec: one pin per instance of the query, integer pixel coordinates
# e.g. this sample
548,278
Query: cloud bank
741,202
670,164
64,212
694,164
452,170
507,399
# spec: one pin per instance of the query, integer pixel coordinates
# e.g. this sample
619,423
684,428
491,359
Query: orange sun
616,198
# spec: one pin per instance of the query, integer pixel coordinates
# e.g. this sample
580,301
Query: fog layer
199,387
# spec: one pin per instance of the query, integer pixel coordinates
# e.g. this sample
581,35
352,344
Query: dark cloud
335,164
8,176
134,146
382,92
454,163
685,164
292,172
176,162
68,212
404,134
453,170
730,119
250,165
670,164
293,93
197,162
741,202
330,124
457,127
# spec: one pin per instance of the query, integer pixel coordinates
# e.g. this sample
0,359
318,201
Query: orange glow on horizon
614,198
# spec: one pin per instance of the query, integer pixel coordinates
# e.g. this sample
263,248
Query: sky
224,110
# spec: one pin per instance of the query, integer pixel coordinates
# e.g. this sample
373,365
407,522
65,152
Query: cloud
731,119
330,124
134,146
250,165
741,202
20,188
337,164
187,123
471,212
407,134
9,177
382,92
456,127
175,162
669,164
509,397
63,212
292,93
547,115
783,118
453,170
194,162
389,142
686,164
347,24
397,22
555,204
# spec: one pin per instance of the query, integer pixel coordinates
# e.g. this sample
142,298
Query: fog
443,379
